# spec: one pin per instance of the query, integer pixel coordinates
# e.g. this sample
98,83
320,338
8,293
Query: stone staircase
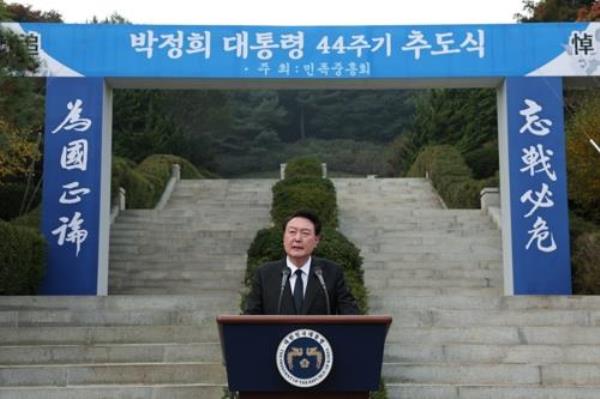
155,336
196,244
454,336
437,271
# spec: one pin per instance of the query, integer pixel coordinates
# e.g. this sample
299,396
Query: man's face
299,239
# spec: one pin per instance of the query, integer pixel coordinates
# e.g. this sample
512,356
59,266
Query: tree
555,10
583,158
463,118
21,114
24,13
589,13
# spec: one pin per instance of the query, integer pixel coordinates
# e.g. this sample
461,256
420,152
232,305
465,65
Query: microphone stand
319,274
285,273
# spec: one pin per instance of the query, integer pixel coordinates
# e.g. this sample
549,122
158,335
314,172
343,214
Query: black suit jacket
264,295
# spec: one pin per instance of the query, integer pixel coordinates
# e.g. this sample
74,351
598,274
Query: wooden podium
250,346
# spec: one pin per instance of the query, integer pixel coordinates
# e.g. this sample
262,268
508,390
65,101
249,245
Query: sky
282,12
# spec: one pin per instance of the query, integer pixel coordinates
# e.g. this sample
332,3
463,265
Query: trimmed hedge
159,165
315,193
303,167
22,257
32,219
146,182
450,176
586,269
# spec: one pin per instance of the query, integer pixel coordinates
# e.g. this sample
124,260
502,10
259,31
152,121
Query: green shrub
32,219
22,257
450,176
579,225
303,167
483,161
585,265
141,192
268,246
159,165
145,183
11,198
120,168
314,193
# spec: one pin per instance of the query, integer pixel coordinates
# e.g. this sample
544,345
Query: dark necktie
298,291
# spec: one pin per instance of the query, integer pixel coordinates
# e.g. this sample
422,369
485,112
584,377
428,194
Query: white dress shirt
305,273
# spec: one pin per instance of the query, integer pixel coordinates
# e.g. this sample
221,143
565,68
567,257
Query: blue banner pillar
533,187
76,192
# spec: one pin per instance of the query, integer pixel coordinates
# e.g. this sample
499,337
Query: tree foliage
559,11
25,13
21,111
465,119
583,158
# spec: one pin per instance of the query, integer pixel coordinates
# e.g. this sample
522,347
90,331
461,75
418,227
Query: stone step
178,257
90,335
481,391
450,249
150,248
407,240
110,353
136,391
389,233
499,374
376,277
384,265
457,373
497,335
187,261
166,290
140,374
175,285
199,301
195,262
430,291
226,277
398,352
399,302
483,318
28,318
427,257
216,221
199,235
400,283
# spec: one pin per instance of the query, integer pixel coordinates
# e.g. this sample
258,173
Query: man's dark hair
306,214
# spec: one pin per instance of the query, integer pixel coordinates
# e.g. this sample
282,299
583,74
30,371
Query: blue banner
358,52
71,193
538,186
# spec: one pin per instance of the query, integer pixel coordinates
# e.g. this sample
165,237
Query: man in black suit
300,283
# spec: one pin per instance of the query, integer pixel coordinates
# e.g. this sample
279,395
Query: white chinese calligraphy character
74,193
74,155
537,160
74,121
541,233
543,199
533,123
71,231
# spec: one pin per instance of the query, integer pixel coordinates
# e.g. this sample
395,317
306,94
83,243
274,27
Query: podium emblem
304,358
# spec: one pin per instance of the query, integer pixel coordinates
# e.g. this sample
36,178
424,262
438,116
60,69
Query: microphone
319,274
285,273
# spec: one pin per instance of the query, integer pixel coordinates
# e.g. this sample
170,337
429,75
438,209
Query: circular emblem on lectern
304,358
